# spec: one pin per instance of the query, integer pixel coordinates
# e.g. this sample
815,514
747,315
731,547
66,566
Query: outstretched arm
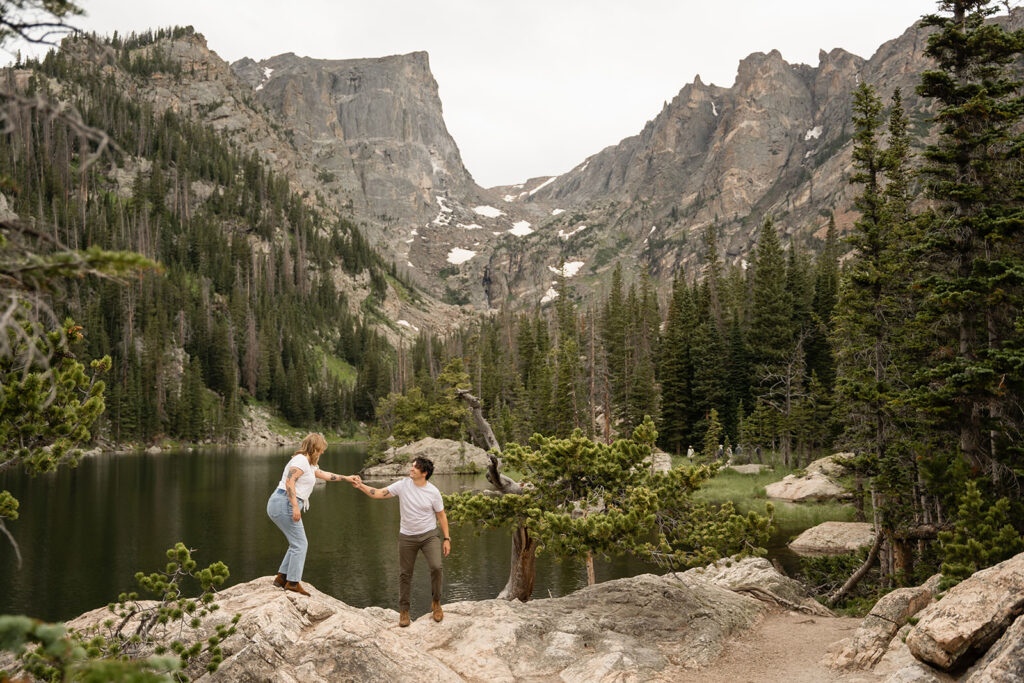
331,476
372,492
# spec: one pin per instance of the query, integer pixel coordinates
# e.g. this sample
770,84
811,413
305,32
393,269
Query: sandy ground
787,647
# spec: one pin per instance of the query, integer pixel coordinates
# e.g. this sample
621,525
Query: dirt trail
786,647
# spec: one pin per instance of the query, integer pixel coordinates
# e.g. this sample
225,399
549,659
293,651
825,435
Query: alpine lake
84,532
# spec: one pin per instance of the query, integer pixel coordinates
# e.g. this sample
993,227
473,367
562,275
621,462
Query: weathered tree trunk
903,560
858,500
522,568
591,577
479,420
852,582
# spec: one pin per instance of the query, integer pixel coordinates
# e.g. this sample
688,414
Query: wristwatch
447,539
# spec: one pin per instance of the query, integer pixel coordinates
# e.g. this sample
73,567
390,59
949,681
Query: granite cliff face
372,127
778,142
204,87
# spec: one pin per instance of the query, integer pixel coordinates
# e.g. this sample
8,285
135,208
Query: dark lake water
84,532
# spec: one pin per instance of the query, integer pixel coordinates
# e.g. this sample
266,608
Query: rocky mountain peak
373,127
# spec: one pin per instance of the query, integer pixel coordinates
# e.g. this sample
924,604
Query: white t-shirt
304,485
417,506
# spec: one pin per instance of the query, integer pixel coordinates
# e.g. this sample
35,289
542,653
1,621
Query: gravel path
786,648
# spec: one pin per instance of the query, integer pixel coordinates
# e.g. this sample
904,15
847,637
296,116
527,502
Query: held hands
356,481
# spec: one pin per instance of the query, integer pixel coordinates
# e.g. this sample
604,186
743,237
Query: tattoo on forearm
334,477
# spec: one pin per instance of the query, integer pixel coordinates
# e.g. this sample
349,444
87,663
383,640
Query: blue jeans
279,509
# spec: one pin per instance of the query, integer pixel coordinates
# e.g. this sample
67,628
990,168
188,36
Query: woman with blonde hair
291,499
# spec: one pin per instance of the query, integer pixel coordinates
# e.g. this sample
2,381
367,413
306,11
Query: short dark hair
424,465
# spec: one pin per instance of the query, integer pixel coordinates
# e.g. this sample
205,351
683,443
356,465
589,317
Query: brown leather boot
403,618
280,580
438,613
295,587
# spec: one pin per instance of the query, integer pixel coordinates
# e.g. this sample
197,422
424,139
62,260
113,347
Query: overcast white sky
532,87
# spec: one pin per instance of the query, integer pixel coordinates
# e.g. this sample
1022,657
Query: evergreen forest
243,306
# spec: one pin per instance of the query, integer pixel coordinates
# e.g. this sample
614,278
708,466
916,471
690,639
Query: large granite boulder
833,538
828,466
449,457
815,486
1005,660
641,628
872,640
659,461
972,616
900,666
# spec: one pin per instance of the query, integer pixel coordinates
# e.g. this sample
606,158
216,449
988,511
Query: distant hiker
421,510
291,499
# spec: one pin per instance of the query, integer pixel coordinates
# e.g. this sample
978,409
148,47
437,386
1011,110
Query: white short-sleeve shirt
417,505
305,483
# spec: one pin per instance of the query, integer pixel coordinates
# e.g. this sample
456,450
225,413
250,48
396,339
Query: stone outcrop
872,639
752,468
1005,660
833,538
449,457
642,628
255,430
971,616
900,666
758,577
659,461
812,487
827,466
973,633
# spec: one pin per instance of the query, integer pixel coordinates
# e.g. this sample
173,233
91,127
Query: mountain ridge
368,136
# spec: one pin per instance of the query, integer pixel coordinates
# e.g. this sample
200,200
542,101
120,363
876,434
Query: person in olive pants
422,511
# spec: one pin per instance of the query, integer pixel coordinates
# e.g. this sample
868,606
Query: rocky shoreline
254,432
685,626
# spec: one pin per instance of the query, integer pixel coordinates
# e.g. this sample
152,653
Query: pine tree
676,370
821,362
974,234
778,367
871,328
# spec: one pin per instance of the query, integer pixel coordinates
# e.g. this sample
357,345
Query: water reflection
84,533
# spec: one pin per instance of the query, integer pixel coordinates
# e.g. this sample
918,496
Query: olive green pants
408,547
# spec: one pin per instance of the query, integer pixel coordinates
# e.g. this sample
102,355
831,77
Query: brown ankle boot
438,613
295,587
280,580
403,618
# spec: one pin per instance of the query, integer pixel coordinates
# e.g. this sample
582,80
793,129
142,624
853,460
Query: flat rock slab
748,469
449,457
641,628
813,487
833,538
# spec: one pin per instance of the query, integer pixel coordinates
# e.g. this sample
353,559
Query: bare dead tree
522,566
